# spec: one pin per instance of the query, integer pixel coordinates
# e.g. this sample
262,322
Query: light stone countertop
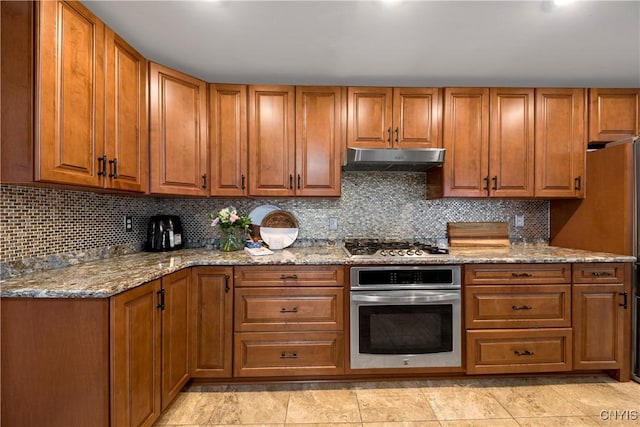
108,277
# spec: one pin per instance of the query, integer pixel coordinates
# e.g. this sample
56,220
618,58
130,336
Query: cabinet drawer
512,274
517,306
289,309
289,275
603,272
509,351
288,354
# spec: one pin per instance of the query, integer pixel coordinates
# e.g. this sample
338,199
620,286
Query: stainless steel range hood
394,160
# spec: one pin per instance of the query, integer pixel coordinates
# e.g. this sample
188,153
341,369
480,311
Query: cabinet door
598,326
560,145
211,336
175,336
127,140
178,144
228,131
613,114
70,114
370,115
135,364
17,57
511,142
319,140
271,140
416,117
466,140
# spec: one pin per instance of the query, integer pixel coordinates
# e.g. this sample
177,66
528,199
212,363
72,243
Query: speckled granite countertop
101,279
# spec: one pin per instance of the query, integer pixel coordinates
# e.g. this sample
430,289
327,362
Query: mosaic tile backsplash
45,228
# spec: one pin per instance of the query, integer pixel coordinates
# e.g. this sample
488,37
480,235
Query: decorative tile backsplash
46,228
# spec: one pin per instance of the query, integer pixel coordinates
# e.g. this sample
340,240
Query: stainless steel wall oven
405,316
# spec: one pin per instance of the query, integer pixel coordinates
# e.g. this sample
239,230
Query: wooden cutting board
478,234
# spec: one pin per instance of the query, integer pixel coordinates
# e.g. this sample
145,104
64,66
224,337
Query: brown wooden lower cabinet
518,318
211,329
55,362
175,336
518,350
149,347
289,321
140,347
289,309
598,318
282,354
520,306
135,356
602,318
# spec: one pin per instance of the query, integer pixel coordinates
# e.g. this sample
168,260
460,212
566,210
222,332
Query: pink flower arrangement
229,217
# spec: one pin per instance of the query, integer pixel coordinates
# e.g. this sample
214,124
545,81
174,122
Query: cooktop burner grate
382,248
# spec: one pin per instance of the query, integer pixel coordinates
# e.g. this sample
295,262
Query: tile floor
548,402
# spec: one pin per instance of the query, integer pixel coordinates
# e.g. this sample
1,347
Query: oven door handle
408,299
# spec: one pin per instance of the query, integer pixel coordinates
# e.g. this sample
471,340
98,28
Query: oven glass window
406,329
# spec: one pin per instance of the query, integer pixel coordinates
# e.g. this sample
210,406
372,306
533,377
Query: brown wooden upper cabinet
295,140
271,140
489,141
394,117
320,129
178,141
70,114
127,133
228,131
613,114
560,151
88,126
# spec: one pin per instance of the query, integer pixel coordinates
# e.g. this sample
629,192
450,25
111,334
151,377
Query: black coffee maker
164,234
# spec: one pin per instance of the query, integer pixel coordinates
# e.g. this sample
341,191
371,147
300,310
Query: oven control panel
398,277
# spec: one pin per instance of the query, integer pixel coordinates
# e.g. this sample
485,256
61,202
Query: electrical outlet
128,224
519,221
333,223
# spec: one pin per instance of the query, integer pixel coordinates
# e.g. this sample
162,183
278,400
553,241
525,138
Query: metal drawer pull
625,302
291,276
523,353
293,310
601,274
161,303
288,356
522,274
578,182
102,165
524,307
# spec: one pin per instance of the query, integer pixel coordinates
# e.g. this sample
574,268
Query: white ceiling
405,43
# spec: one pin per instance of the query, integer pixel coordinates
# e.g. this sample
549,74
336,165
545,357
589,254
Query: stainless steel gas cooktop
371,248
